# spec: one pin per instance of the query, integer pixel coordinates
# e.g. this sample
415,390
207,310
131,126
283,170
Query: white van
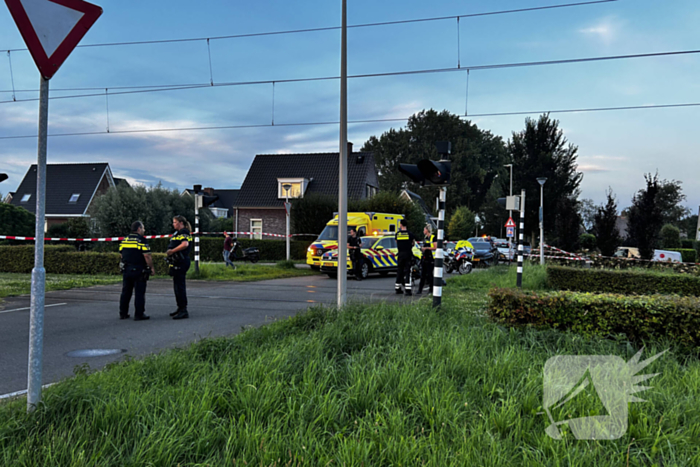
667,256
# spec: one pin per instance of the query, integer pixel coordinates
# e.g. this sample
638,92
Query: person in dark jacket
137,266
179,262
428,262
404,243
228,244
355,247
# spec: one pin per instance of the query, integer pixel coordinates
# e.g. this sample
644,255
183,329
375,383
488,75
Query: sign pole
520,242
343,175
197,198
36,319
288,208
439,252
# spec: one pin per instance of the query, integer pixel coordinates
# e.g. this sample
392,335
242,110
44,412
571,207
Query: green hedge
622,282
65,260
688,255
688,243
639,317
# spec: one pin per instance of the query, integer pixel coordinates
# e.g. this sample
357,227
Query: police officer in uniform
404,242
428,263
355,247
179,262
137,266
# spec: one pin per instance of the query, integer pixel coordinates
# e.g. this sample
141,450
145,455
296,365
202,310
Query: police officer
179,262
137,266
428,263
355,247
404,242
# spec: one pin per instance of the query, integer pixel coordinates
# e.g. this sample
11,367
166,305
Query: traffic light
428,172
3,177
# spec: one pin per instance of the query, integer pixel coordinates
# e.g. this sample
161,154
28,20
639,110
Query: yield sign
52,28
510,222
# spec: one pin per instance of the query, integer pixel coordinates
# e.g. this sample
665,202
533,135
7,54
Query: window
25,198
385,243
256,227
297,187
74,198
371,191
219,212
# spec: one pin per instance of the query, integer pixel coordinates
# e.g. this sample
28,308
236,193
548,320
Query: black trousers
133,280
180,288
403,271
357,264
426,274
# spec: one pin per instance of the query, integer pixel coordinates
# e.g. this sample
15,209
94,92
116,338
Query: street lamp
541,181
510,211
287,187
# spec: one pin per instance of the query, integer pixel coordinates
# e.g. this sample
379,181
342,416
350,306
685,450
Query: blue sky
616,148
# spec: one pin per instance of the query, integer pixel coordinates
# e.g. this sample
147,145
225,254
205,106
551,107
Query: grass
19,284
247,272
534,278
380,385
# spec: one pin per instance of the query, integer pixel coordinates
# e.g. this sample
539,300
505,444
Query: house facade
70,190
274,177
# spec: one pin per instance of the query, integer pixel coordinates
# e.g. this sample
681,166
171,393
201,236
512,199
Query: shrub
670,237
622,282
639,317
688,255
16,221
588,241
688,243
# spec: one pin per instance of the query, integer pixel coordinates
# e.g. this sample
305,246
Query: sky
616,147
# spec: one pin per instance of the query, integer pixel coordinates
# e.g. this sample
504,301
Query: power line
380,120
160,88
335,28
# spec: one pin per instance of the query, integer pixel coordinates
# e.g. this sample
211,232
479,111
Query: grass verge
534,278
247,272
387,384
19,284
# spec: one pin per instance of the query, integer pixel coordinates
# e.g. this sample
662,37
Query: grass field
380,385
18,284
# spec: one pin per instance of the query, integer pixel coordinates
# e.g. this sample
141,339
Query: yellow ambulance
366,223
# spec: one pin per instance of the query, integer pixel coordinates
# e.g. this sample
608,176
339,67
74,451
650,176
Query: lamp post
287,208
541,181
510,211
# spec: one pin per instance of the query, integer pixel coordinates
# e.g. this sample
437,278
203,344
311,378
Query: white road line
27,308
22,392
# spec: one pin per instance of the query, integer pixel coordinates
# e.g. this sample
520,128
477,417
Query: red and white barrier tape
119,239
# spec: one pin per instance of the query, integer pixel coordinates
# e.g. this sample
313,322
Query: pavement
88,318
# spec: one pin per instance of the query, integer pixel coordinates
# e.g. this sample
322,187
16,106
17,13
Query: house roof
227,199
63,181
321,169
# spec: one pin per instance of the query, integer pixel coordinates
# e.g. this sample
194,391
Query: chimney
349,148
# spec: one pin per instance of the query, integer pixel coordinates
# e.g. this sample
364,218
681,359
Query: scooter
462,261
251,254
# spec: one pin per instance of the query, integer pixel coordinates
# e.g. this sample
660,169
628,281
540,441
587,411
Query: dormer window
74,198
296,187
25,198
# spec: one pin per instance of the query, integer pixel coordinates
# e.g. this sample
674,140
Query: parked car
506,253
667,256
485,253
627,252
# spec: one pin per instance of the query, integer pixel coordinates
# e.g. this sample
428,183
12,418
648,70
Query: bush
688,243
462,224
639,317
688,255
588,241
622,282
16,221
670,237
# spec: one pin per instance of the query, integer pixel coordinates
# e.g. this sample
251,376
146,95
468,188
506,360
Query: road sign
52,28
510,232
288,208
510,222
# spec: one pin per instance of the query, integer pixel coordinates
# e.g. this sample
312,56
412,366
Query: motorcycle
462,261
251,254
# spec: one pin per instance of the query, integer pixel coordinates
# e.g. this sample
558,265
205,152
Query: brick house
260,204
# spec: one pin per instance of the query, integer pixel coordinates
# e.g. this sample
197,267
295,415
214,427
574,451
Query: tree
567,224
689,225
670,236
669,200
477,156
645,217
462,224
16,221
540,150
77,227
588,211
605,226
492,214
588,241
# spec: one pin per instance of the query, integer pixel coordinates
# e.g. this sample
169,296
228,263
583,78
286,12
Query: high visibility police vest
132,249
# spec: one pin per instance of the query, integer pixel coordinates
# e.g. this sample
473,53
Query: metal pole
196,232
36,320
510,216
286,209
520,236
439,253
542,224
343,175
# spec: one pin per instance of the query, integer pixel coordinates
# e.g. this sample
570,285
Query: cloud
592,168
606,30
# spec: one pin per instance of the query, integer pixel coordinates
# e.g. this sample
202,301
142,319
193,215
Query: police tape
119,239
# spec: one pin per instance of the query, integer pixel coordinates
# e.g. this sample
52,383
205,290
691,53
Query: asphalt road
88,318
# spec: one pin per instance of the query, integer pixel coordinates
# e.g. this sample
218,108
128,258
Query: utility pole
520,237
343,172
439,252
541,181
287,208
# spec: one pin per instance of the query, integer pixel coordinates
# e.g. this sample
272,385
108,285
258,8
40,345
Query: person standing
404,242
179,262
228,244
355,247
137,266
428,262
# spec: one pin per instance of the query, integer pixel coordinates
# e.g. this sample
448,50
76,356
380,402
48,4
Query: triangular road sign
510,222
52,28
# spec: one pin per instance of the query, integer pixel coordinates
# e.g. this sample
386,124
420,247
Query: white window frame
26,197
219,212
281,193
77,195
253,234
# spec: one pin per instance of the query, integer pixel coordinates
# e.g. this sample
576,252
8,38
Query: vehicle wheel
254,259
315,268
365,270
333,275
465,267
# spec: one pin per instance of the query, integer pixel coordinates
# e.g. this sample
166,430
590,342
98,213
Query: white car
667,256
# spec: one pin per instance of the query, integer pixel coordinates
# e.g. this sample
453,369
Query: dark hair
404,222
136,226
183,219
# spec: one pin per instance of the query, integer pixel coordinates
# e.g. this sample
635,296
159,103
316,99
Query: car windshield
481,245
331,232
367,242
501,245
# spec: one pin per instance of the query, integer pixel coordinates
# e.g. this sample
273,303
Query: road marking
29,308
22,392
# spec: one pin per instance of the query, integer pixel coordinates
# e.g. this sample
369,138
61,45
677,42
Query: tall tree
645,217
588,211
541,150
15,220
462,224
669,199
477,156
605,226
